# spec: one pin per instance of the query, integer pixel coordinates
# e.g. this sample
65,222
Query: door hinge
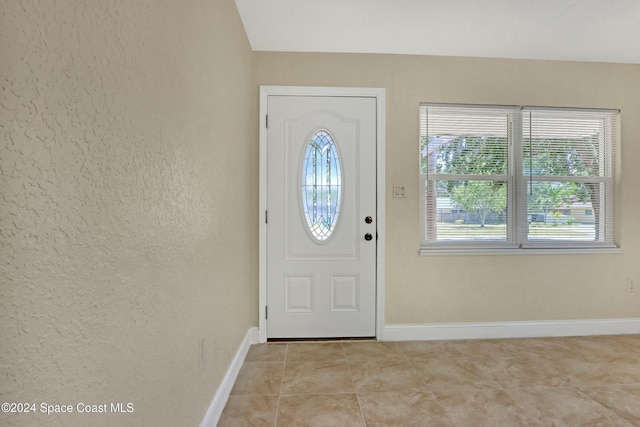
266,121
266,311
266,217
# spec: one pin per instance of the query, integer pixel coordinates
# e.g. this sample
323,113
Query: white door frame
379,95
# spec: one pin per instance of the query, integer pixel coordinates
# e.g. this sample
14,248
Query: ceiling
574,30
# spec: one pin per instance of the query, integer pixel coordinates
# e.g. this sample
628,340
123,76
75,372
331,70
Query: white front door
321,217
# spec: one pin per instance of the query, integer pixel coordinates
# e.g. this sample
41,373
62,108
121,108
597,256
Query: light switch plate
399,191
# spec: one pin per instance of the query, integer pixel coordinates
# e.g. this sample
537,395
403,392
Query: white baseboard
532,329
224,390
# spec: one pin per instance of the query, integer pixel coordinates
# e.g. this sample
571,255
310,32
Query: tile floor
576,381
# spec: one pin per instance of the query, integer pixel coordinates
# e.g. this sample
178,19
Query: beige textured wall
432,289
127,206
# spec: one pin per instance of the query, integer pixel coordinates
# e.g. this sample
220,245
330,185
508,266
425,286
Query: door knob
368,236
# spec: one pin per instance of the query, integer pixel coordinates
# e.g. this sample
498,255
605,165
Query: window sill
518,251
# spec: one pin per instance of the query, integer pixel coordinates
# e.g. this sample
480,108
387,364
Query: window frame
517,227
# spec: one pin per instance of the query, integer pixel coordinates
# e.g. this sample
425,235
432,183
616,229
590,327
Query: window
516,177
321,185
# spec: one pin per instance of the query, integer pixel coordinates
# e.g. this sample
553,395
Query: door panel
321,286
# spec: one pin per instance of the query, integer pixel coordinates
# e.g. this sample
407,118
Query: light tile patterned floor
573,382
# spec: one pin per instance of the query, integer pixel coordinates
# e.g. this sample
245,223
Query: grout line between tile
284,364
602,405
355,390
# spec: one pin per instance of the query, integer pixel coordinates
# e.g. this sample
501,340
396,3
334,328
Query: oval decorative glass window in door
321,185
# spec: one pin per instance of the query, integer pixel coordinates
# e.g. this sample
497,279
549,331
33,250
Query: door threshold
321,339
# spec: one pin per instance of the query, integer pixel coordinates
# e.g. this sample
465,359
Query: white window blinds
514,177
568,169
468,173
